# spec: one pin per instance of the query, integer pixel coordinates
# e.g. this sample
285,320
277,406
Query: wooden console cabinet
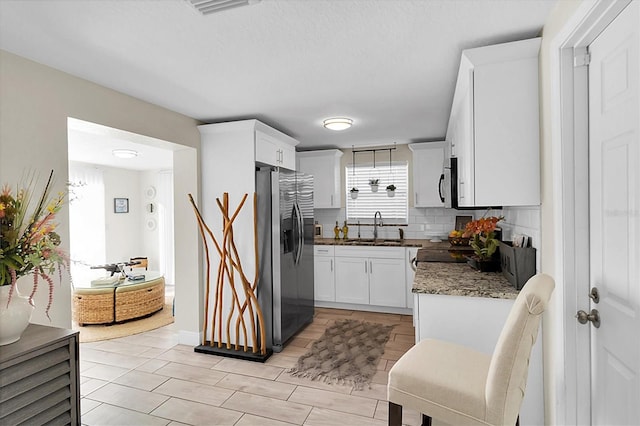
39,378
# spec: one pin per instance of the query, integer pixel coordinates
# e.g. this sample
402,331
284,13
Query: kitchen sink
389,243
372,242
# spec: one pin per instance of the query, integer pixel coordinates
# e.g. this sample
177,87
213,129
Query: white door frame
570,171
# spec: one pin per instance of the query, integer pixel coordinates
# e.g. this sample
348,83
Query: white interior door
614,199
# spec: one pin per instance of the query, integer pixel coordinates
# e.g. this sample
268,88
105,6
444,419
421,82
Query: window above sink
394,208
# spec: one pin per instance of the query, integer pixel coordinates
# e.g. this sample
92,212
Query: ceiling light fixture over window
337,123
124,153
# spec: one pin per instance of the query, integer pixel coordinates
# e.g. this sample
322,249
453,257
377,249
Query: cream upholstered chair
461,386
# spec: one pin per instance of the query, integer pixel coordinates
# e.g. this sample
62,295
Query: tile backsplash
521,220
425,222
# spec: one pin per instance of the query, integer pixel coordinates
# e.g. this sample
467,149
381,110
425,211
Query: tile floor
149,379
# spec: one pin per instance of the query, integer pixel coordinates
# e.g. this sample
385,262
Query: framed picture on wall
461,222
121,205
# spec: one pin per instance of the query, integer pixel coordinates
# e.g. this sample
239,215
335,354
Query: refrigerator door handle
298,233
301,229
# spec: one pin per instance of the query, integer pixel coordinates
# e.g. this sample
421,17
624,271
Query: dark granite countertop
385,242
459,279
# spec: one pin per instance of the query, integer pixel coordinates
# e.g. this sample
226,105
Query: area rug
94,333
347,353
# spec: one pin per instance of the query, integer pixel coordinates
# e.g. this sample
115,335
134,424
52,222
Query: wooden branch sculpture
230,267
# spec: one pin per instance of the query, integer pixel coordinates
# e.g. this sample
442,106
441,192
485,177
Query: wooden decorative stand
231,277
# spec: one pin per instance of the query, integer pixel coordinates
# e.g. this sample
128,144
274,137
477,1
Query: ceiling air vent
207,7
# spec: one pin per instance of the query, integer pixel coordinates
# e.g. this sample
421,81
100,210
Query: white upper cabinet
275,149
494,126
246,142
325,168
428,169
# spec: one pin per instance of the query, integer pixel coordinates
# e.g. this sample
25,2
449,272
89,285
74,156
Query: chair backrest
507,377
143,262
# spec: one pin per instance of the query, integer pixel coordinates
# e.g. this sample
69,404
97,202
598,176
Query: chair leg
395,414
426,420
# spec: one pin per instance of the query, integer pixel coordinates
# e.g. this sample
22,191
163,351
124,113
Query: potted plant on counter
484,243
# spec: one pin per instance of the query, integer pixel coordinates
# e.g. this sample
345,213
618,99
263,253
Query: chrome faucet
375,224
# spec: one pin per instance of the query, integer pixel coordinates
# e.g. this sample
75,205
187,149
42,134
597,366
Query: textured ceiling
388,64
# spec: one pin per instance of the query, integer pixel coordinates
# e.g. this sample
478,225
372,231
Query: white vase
391,193
14,316
374,188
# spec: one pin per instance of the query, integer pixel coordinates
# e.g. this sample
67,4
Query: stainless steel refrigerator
285,238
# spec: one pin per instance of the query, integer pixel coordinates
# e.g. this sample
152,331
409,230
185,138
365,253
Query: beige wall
35,102
558,17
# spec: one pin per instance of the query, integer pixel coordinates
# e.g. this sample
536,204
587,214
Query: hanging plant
391,191
354,193
374,184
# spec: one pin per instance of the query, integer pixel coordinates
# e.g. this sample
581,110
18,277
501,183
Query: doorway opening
120,208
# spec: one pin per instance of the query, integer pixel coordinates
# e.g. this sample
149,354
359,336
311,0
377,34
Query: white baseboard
190,338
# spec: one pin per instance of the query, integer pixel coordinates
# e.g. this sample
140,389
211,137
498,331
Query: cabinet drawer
378,251
323,251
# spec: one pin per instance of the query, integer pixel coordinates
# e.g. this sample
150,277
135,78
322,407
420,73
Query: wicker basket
93,307
136,301
459,241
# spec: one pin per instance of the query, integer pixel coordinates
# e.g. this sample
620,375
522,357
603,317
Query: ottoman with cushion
93,305
138,300
106,303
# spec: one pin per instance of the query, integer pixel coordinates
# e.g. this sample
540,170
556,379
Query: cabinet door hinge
582,59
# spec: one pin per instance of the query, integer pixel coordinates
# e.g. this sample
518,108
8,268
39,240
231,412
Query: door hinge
582,60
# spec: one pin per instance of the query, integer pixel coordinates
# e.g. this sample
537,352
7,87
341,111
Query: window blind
368,202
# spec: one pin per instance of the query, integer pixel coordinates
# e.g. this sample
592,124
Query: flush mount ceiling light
337,123
124,153
207,7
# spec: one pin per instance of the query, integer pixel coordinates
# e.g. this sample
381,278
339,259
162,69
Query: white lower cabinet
387,283
371,276
323,274
352,280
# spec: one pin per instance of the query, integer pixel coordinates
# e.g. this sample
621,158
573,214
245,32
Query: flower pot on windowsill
484,265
